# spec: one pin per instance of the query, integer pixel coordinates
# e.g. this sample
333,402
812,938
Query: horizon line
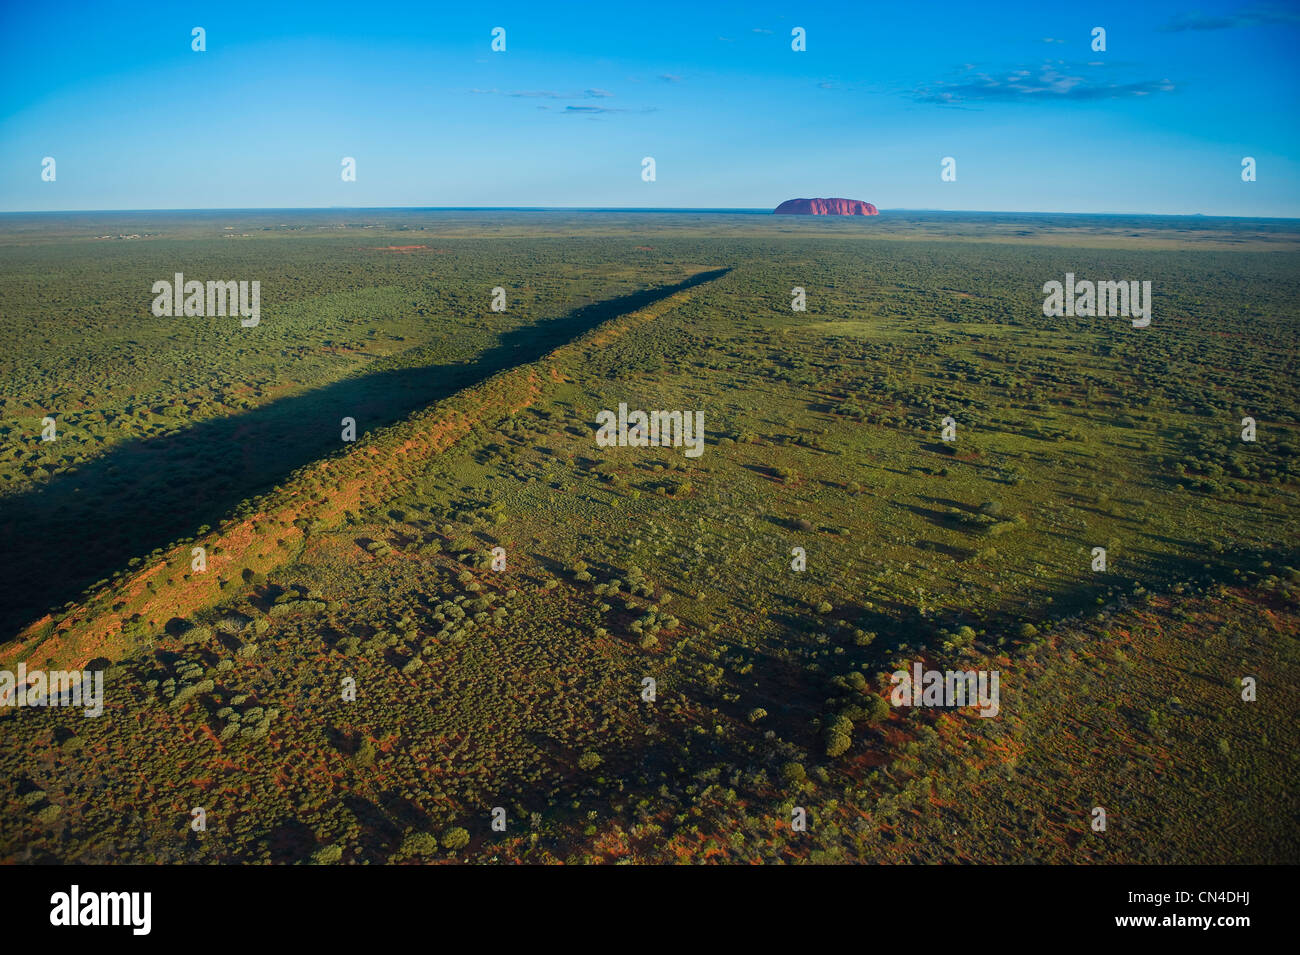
750,210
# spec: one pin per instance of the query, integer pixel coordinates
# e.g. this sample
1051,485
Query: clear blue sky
1013,91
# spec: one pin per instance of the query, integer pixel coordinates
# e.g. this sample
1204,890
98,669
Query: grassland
522,688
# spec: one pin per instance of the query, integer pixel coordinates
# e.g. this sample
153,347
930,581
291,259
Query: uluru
825,207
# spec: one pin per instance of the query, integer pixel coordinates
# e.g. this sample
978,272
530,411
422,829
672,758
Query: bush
327,855
419,844
877,709
837,743
364,757
455,838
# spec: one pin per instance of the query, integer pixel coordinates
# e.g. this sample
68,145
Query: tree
455,839
877,709
419,844
837,743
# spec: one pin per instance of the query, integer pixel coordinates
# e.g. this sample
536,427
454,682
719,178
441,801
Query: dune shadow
83,525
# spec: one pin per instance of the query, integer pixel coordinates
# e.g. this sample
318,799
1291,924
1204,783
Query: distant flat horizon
720,210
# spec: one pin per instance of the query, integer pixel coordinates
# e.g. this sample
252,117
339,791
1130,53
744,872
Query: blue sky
1036,120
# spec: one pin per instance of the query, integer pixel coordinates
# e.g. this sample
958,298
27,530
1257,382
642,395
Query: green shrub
837,743
455,839
419,844
877,709
327,855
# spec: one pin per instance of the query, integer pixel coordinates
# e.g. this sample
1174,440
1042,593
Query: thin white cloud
584,110
1259,16
1047,83
546,94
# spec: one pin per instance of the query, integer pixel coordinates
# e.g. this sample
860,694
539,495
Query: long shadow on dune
84,525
